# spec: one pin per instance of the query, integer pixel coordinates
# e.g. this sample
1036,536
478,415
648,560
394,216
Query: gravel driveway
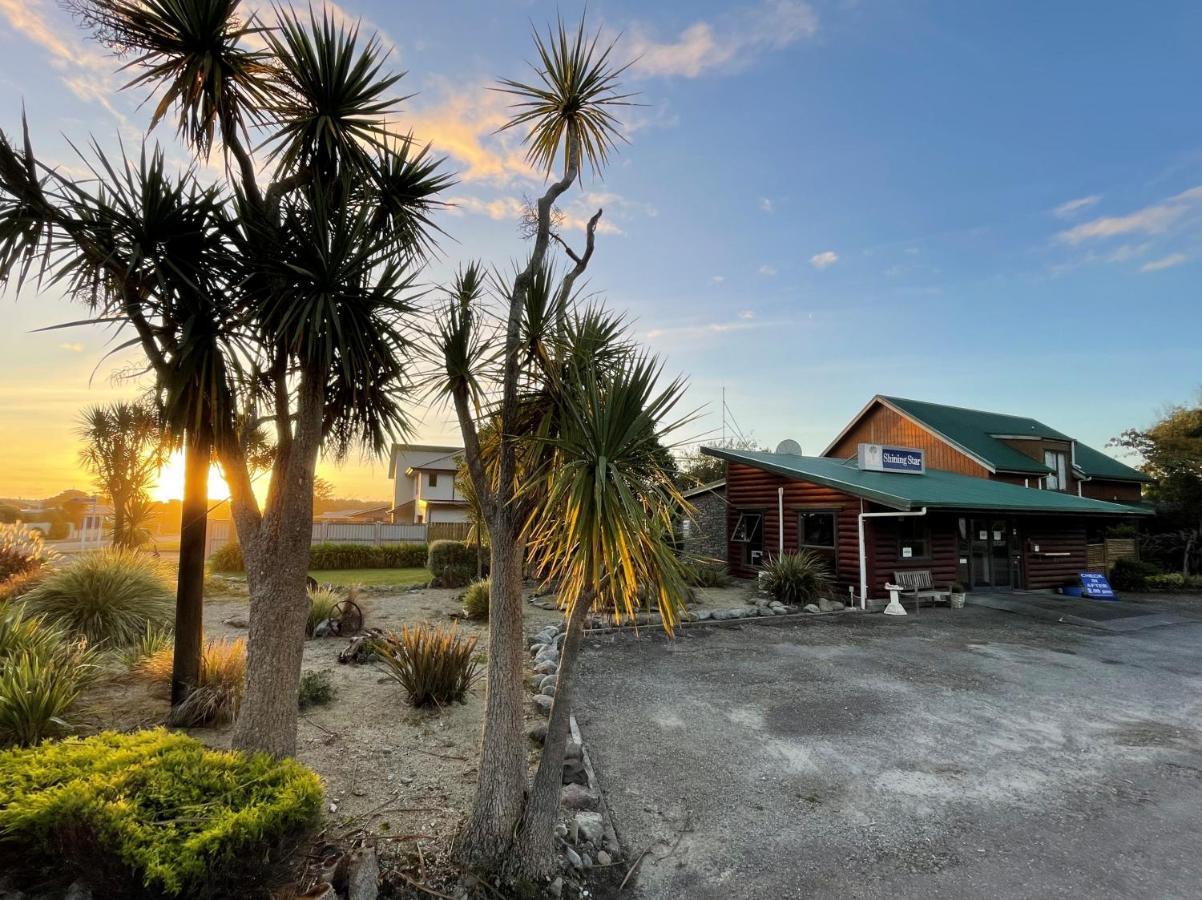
966,753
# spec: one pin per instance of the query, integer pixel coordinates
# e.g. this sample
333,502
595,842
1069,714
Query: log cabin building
995,502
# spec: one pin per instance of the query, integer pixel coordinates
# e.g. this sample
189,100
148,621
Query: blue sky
994,205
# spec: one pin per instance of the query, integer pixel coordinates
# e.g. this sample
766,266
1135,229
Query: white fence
221,533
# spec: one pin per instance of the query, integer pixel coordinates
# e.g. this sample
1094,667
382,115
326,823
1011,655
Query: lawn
372,577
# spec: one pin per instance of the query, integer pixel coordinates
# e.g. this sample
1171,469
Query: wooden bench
918,584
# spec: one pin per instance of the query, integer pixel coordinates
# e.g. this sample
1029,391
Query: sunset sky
993,205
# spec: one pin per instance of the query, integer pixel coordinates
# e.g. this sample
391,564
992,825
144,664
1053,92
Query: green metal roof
978,432
935,489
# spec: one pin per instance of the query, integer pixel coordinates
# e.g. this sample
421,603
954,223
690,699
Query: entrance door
989,554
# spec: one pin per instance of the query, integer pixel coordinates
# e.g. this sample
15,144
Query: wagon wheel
349,617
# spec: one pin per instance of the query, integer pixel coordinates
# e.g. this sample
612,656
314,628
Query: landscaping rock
321,891
236,622
812,608
536,681
577,797
573,772
573,858
828,605
546,668
603,858
590,826
550,654
555,888
573,750
546,681
537,733
544,703
362,874
702,614
548,691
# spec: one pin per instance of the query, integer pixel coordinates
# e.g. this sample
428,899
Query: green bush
450,553
1173,582
475,599
706,573
41,674
21,551
228,558
154,641
435,666
316,689
323,602
107,597
796,578
1132,574
324,557
153,813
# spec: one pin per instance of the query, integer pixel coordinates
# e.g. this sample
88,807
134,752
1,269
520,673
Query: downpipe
863,550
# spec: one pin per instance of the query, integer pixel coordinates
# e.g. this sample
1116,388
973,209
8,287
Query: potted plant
957,595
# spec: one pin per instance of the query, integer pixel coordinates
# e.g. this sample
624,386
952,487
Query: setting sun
171,481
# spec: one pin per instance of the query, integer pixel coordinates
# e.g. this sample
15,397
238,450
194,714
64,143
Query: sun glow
171,481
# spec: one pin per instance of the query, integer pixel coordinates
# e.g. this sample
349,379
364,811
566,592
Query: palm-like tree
602,532
489,376
280,306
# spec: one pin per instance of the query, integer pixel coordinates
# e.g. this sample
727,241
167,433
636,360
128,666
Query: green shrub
706,573
1132,574
435,666
153,813
41,674
107,597
323,603
475,599
228,558
22,551
152,642
316,689
365,556
1173,582
796,578
450,553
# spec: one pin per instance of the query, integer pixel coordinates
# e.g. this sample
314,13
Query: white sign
907,552
886,458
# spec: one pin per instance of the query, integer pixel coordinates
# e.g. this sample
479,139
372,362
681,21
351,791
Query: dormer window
1057,461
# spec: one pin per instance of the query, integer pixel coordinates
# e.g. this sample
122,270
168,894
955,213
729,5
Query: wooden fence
1102,556
222,532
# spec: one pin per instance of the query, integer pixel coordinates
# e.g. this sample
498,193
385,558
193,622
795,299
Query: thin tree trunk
189,586
535,854
501,783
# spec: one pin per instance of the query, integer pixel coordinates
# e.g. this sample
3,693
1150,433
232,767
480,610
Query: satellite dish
789,446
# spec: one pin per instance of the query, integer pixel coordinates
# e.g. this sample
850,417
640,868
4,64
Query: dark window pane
817,529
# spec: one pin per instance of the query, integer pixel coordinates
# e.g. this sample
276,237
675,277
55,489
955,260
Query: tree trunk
535,856
189,585
501,782
276,549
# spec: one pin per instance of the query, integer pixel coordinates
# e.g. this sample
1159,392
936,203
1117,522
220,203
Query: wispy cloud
767,270
824,260
766,205
1165,262
705,329
729,43
73,347
1070,208
511,209
717,279
1155,219
746,314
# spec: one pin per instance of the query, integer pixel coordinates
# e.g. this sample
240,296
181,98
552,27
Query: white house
425,484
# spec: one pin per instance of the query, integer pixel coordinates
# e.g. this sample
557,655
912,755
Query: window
749,531
817,529
913,538
433,479
1057,461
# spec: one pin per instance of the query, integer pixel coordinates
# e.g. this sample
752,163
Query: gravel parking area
961,753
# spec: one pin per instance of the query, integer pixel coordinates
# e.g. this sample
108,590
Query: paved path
960,753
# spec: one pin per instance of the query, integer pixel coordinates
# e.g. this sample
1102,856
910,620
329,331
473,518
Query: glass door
989,554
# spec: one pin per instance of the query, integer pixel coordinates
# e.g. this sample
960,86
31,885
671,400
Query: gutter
863,552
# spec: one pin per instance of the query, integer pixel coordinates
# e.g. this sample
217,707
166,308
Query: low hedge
450,553
1173,582
336,556
152,813
1132,574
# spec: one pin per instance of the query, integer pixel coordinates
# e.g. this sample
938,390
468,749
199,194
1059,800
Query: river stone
548,691
547,681
573,772
812,608
546,668
590,826
702,614
536,681
362,874
575,796
555,889
603,858
573,858
544,703
537,732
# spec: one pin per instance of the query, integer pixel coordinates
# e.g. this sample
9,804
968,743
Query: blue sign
1095,586
900,459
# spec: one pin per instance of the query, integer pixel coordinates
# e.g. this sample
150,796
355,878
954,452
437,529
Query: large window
1057,461
817,529
913,538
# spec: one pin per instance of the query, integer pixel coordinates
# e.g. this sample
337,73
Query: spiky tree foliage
275,306
497,373
124,448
